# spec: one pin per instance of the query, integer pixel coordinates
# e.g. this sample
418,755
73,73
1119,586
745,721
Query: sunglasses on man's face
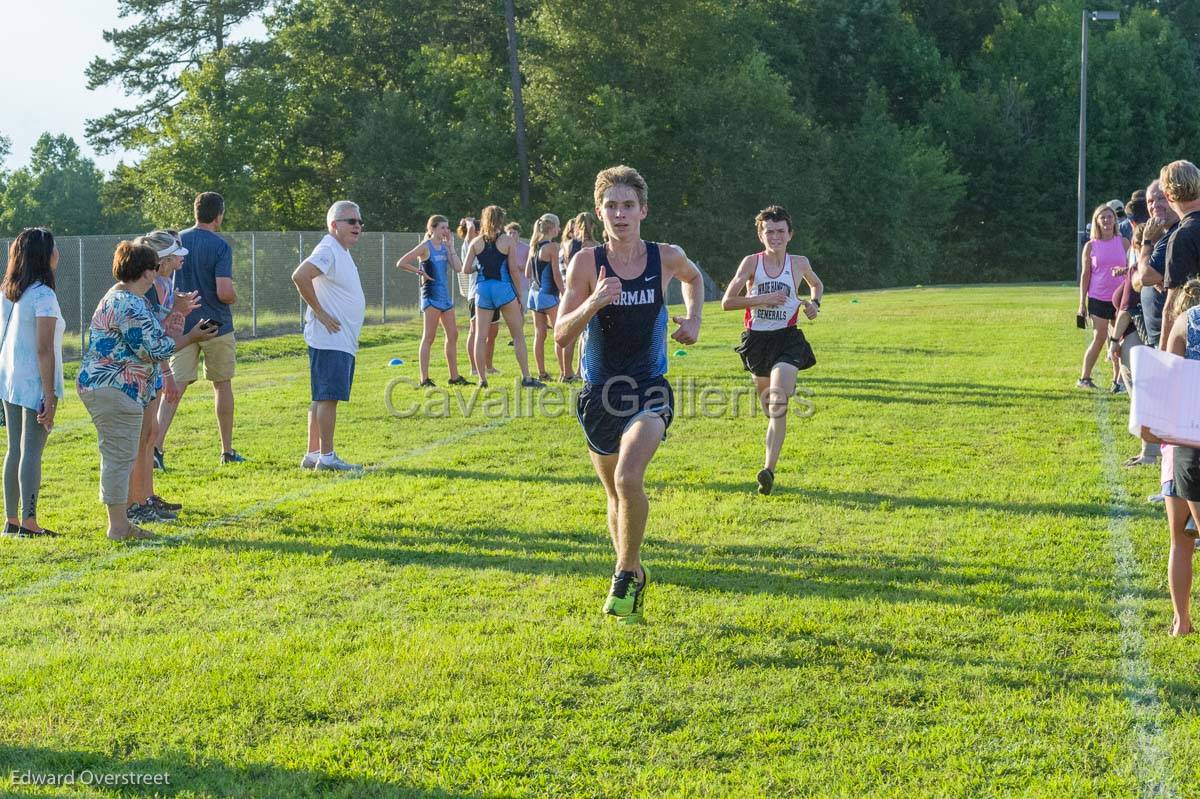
359,222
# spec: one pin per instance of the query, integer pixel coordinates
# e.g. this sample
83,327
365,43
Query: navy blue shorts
330,373
607,410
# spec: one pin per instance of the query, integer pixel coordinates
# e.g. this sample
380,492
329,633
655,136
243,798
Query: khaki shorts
118,420
219,360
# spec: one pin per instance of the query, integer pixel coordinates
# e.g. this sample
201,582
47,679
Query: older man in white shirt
329,284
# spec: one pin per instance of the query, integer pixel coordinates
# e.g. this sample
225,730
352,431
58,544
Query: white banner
1165,396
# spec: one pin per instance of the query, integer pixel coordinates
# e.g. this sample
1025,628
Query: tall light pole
1088,16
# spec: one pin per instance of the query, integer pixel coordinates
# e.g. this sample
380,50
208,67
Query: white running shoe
332,463
309,461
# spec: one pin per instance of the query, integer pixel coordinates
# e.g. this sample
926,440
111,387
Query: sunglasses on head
353,221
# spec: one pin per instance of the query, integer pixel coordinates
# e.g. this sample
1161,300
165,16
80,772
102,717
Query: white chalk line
1152,765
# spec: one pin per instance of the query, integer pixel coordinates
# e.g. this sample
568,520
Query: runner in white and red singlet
773,349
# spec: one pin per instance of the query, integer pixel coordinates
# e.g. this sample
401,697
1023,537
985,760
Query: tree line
913,141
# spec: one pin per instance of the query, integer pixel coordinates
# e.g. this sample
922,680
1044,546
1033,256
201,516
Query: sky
46,46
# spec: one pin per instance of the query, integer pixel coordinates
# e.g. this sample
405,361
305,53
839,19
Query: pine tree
168,38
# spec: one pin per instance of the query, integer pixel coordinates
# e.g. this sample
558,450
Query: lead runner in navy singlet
615,299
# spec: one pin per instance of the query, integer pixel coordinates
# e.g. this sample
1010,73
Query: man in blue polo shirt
208,269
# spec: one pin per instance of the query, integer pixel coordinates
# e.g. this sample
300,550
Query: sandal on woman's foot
134,533
1137,460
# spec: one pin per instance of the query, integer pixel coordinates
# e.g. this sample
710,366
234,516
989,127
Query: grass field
954,591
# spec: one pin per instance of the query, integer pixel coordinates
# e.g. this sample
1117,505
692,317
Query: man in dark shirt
1181,183
1152,260
208,269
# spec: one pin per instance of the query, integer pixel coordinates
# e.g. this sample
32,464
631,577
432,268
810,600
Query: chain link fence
268,304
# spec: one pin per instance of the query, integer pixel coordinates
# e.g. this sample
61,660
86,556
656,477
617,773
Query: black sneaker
12,530
427,383
143,513
162,504
232,456
531,382
459,381
766,481
159,463
1118,387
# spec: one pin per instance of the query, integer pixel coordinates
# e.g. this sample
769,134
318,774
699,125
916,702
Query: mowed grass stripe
924,608
183,532
1153,759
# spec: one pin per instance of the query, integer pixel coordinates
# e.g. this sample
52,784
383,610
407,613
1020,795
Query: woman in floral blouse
144,504
116,379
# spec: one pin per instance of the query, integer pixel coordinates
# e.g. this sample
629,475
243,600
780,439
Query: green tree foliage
59,188
913,141
167,39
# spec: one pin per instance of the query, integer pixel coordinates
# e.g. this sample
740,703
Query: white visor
174,249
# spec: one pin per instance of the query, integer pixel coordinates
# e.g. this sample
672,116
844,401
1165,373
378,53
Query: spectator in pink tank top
1103,269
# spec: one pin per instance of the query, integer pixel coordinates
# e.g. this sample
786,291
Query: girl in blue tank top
545,287
583,234
489,256
431,261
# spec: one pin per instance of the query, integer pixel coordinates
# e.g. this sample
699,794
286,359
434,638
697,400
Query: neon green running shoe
626,598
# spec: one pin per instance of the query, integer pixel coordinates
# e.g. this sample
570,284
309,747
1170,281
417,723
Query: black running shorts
607,410
1187,473
762,349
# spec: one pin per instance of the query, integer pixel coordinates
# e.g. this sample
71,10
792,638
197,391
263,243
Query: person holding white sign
1181,468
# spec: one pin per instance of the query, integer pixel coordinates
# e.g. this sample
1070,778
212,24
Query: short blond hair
1181,181
621,176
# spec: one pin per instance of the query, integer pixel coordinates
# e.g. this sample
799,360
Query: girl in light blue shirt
31,372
